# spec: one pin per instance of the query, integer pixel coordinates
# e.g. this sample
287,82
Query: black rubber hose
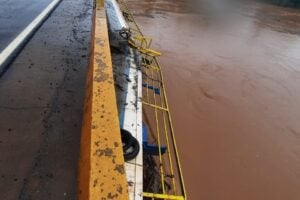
127,139
133,151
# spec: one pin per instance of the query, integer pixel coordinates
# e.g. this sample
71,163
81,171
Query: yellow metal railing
156,108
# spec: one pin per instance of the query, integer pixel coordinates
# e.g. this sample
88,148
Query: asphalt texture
15,15
41,106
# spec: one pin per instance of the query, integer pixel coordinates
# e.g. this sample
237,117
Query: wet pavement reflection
16,15
232,72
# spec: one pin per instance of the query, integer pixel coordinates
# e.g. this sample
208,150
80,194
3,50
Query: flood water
232,73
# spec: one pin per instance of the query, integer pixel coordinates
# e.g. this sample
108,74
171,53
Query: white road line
11,50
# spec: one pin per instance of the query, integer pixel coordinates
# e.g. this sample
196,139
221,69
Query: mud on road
41,104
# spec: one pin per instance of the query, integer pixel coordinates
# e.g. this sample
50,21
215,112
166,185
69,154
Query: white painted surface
116,22
133,123
12,48
114,15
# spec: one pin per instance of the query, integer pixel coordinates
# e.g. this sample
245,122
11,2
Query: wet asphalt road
41,105
15,15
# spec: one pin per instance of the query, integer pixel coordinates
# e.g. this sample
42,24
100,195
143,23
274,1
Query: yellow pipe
172,134
162,196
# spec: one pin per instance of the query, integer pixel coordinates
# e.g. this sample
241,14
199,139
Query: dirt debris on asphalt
41,104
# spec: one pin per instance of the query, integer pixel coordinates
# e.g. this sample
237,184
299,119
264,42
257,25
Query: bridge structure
146,115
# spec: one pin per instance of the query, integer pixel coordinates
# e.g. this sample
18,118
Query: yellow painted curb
101,167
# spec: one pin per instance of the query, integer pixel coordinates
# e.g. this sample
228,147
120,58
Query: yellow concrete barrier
101,167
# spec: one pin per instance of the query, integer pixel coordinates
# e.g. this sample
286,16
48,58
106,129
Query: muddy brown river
232,72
